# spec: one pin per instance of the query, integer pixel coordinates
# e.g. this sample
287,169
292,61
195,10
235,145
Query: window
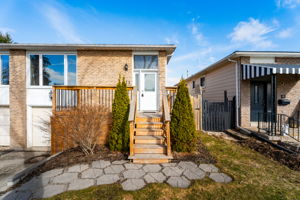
149,83
4,69
202,81
145,62
71,70
46,70
193,84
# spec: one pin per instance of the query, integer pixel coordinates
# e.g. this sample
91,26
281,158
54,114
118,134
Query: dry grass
255,177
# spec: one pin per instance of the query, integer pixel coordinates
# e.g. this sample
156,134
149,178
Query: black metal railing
279,125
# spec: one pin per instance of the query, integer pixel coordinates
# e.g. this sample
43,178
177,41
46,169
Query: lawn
255,177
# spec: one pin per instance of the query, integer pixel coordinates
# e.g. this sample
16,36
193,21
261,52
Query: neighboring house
28,72
263,82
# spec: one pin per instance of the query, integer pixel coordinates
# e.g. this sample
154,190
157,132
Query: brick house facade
96,65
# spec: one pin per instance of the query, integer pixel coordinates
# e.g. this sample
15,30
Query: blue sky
204,31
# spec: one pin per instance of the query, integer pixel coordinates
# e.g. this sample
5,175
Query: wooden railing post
131,119
53,100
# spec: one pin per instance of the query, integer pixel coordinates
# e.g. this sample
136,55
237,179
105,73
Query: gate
218,116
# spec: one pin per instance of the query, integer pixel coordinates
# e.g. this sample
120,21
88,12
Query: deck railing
65,97
279,125
170,93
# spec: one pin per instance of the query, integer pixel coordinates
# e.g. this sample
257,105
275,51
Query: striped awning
259,70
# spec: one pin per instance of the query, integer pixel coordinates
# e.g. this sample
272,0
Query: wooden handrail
132,106
131,119
166,111
166,121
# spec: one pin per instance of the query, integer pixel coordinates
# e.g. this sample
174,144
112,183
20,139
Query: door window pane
137,81
149,83
53,69
5,70
71,69
34,70
145,62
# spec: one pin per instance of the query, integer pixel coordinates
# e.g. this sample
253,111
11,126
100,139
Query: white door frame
134,71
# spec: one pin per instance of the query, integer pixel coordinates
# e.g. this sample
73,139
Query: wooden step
150,148
150,158
149,125
148,119
144,131
149,139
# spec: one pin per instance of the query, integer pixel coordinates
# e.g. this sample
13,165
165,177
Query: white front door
147,90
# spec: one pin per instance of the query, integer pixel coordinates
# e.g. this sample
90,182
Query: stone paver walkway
131,176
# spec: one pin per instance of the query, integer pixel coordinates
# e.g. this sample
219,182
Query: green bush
182,127
119,134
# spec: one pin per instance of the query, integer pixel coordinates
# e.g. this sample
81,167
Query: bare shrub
82,126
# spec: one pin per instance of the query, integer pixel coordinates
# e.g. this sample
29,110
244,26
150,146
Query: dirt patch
290,160
201,155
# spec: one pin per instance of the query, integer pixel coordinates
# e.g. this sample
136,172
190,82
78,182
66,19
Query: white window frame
40,54
3,53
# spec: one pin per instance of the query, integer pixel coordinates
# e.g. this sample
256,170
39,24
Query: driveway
12,162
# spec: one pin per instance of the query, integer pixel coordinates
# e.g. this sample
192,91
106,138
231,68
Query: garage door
4,126
40,131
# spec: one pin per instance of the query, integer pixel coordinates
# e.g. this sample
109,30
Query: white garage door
40,131
4,126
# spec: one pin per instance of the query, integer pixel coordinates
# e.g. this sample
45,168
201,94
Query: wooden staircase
149,136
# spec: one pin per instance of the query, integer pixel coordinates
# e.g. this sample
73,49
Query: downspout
236,92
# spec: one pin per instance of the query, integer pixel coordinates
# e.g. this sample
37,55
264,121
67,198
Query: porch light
126,67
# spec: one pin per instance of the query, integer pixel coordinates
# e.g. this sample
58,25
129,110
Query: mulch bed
201,155
76,156
290,160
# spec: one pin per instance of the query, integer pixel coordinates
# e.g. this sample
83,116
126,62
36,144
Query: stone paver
81,184
92,173
180,182
187,165
152,168
119,162
78,168
194,174
155,177
101,164
208,168
172,171
53,173
134,173
108,179
65,178
133,166
220,177
49,191
131,176
133,184
114,169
